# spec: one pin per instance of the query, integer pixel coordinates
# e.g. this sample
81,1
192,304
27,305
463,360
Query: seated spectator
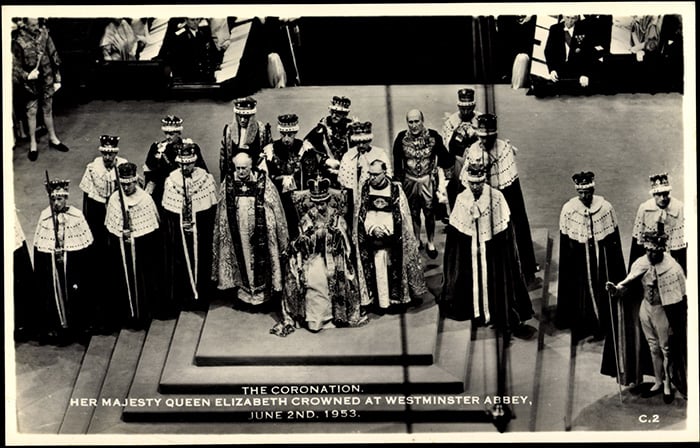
569,54
192,53
120,42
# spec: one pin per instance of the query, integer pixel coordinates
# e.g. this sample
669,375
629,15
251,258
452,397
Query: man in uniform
245,133
189,206
250,237
328,141
570,56
133,223
62,261
35,67
498,156
286,168
662,314
386,245
98,183
661,212
419,160
459,133
590,253
160,160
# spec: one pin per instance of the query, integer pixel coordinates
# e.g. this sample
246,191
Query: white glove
268,152
34,74
332,163
554,75
441,194
56,86
583,80
640,55
288,183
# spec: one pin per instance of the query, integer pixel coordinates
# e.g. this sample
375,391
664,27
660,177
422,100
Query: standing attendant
419,160
189,206
98,183
459,133
160,160
328,140
386,246
133,223
36,69
498,156
63,263
250,237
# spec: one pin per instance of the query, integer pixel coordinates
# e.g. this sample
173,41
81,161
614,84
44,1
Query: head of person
109,147
288,126
186,156
476,177
339,109
319,191
585,186
487,130
193,23
243,164
654,245
58,194
171,126
569,21
32,25
377,174
244,109
415,119
361,135
466,103
128,178
660,189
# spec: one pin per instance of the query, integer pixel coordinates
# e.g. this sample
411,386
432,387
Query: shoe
432,253
641,388
668,398
59,147
33,155
650,393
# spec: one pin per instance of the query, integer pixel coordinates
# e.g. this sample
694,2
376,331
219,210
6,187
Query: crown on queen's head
171,123
319,188
127,173
360,131
340,104
659,183
654,239
109,143
288,123
245,106
584,180
465,97
57,187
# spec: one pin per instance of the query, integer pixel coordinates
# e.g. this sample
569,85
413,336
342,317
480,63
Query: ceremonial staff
129,240
188,226
59,261
612,327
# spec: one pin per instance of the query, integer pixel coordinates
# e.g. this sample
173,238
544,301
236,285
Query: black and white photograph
350,223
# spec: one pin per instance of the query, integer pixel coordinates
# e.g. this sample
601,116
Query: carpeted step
117,381
231,337
88,385
181,375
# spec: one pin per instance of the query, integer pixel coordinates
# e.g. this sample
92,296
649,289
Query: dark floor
622,138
